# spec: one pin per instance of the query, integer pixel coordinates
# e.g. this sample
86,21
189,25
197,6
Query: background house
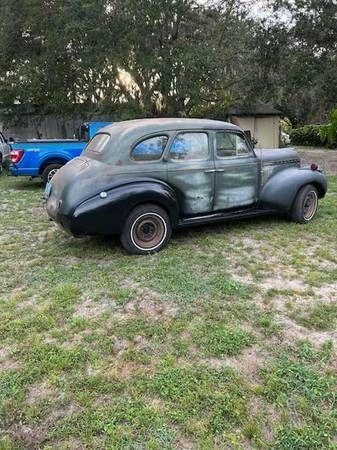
263,122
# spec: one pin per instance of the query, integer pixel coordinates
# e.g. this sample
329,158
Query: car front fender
280,190
106,212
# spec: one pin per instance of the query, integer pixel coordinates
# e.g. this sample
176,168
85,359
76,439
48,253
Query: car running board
223,216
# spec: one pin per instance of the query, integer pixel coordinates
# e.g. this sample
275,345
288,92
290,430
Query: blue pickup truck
42,158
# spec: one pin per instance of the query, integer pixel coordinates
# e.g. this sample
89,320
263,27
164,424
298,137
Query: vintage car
143,178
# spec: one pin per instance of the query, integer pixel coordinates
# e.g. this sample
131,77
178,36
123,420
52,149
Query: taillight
16,155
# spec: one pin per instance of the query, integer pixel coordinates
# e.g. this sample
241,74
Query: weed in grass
217,339
267,323
219,397
131,421
286,379
321,316
303,436
305,351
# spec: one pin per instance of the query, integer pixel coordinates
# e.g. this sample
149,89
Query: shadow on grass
98,246
232,225
24,183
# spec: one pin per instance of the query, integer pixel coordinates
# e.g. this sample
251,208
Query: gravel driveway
326,159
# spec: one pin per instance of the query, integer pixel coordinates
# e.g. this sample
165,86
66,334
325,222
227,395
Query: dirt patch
284,284
294,331
30,437
248,362
63,411
6,363
9,364
326,293
42,391
3,353
155,309
90,309
129,369
148,302
120,345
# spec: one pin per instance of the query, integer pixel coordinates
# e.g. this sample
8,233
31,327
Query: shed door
191,171
236,176
267,131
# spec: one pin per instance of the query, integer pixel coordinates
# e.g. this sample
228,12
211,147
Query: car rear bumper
63,221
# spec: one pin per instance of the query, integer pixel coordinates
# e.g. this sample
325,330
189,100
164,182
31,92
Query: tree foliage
141,58
298,58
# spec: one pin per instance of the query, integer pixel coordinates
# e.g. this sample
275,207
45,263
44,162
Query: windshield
97,143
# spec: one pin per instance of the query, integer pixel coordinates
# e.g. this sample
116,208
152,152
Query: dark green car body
197,170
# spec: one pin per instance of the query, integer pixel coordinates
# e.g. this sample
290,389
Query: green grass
321,316
223,340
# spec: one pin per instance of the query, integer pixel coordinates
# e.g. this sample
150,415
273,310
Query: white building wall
266,130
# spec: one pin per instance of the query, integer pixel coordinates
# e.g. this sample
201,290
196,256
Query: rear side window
190,147
150,149
98,143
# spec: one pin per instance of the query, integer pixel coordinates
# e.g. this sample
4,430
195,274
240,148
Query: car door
190,169
236,176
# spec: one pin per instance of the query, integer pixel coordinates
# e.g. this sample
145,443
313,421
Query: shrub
317,135
328,133
308,135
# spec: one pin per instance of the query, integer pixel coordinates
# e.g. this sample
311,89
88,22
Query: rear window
97,143
150,149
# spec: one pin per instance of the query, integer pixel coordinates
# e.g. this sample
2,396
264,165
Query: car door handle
210,171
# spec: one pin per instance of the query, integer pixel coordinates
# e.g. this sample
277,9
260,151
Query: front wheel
305,205
49,172
147,230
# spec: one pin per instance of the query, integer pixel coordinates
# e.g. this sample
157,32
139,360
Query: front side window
190,147
97,143
150,149
231,145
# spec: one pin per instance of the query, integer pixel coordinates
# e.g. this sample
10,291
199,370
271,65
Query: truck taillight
16,155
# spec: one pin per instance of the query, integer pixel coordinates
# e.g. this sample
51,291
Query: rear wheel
305,205
49,172
147,230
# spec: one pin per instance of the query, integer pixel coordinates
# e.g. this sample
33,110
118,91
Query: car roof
123,135
147,126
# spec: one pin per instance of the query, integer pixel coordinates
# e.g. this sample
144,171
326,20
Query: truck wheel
305,205
49,172
146,230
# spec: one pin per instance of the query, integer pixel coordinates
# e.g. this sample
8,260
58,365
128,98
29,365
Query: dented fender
281,189
107,214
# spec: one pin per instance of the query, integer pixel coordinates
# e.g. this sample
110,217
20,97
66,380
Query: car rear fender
281,189
107,211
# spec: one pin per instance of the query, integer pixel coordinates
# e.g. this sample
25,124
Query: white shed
261,122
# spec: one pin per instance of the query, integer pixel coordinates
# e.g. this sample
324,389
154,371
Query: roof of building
254,110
